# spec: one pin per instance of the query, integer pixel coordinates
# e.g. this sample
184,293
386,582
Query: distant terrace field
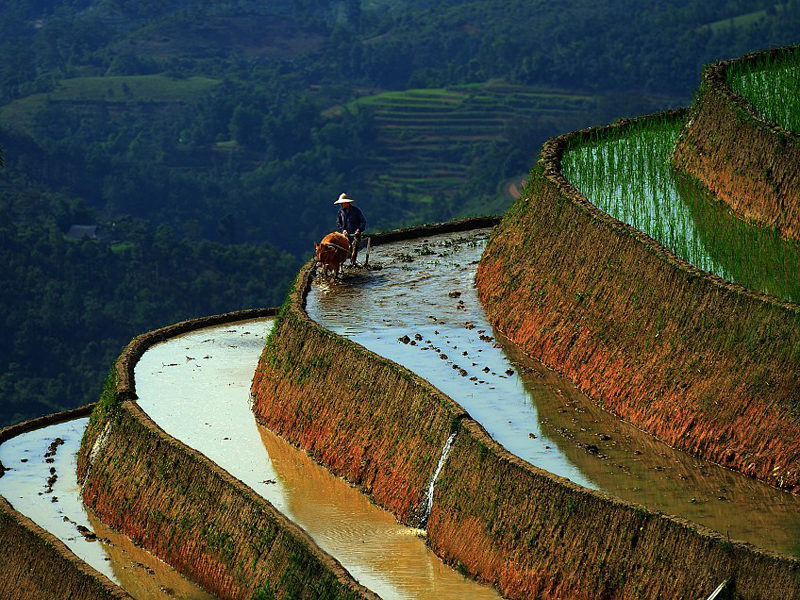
425,136
112,90
745,19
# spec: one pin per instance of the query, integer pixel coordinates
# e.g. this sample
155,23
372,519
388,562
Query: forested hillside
208,140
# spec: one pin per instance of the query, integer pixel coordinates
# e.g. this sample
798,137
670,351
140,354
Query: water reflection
632,465
428,297
197,388
630,177
426,315
754,256
345,522
55,505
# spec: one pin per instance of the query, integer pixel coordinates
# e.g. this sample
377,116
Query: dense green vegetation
770,84
630,177
69,306
206,138
465,135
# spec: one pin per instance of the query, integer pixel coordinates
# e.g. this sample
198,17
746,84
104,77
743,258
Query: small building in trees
83,232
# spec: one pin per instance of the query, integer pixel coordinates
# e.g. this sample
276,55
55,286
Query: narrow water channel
41,483
197,388
421,310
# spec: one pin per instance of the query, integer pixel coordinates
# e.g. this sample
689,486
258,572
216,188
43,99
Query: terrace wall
751,164
36,565
526,531
322,388
705,365
188,511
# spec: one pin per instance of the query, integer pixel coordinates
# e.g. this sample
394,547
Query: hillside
235,126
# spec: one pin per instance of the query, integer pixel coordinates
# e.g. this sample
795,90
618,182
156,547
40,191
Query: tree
246,126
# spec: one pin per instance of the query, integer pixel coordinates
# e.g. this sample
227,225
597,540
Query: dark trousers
355,243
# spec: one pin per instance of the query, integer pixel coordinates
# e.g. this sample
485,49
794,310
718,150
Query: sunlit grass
771,83
629,176
738,21
121,91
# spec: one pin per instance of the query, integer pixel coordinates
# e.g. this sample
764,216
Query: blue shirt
350,220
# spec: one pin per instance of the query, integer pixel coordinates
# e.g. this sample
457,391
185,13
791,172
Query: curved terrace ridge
186,509
745,160
707,365
501,519
551,156
648,335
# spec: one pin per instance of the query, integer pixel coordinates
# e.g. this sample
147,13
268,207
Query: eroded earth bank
494,514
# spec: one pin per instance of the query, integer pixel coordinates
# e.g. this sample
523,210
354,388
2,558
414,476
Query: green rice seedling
771,83
627,173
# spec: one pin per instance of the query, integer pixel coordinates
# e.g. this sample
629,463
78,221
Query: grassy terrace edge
702,363
495,517
746,161
187,510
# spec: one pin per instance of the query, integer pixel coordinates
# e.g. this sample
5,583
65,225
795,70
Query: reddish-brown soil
538,536
188,511
362,416
34,562
494,516
703,364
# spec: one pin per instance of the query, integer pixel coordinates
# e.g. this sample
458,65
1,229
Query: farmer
350,222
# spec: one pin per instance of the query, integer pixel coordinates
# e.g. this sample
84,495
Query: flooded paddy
770,84
421,310
630,177
41,483
197,388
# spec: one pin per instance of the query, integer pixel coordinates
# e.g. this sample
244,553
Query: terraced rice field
770,84
630,177
428,138
112,92
421,310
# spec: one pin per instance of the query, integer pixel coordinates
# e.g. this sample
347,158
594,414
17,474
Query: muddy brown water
56,506
197,388
421,310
